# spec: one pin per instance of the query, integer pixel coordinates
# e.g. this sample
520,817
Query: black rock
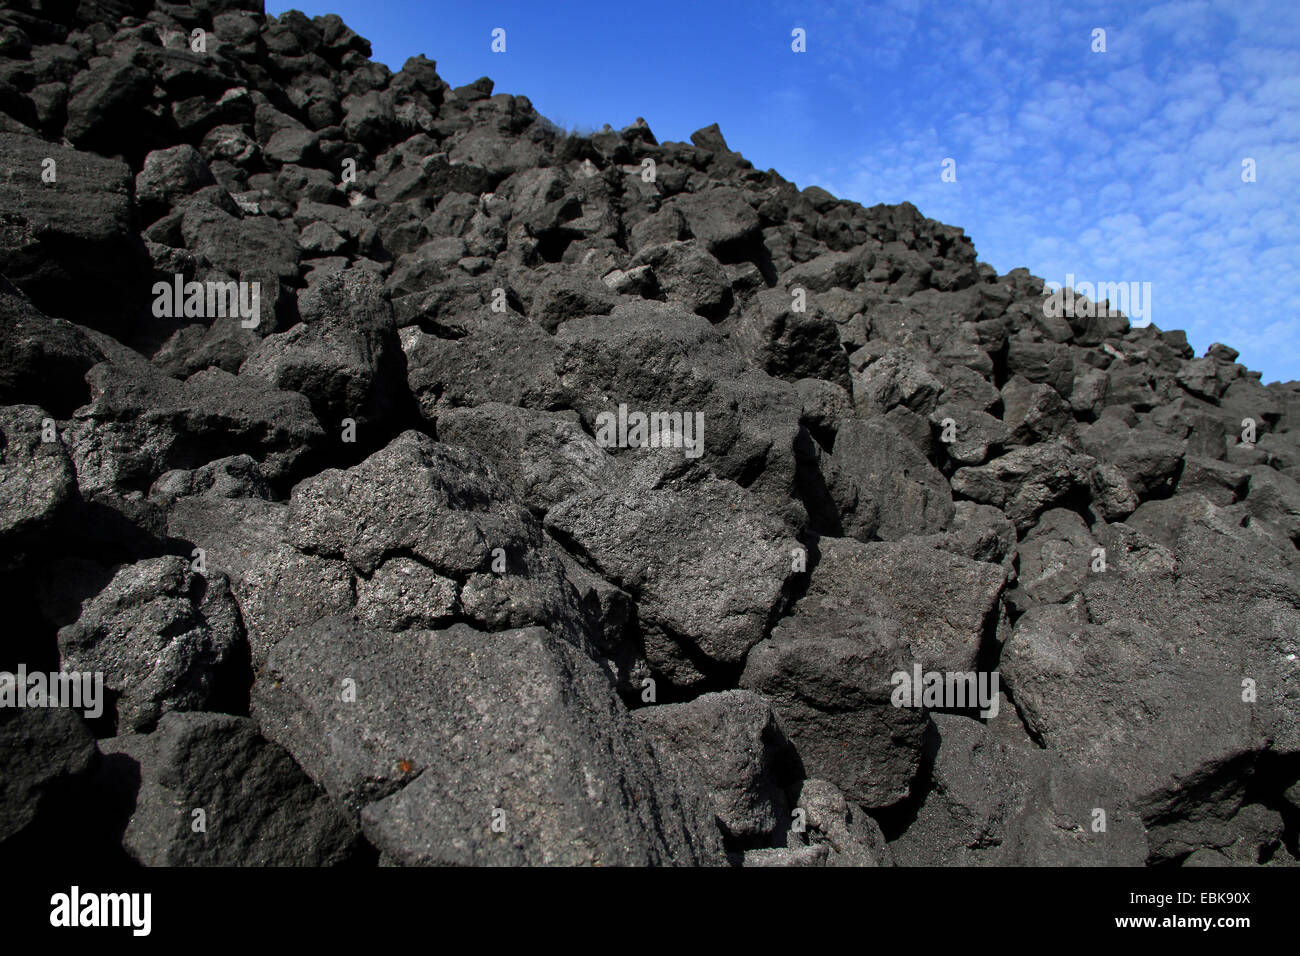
399,556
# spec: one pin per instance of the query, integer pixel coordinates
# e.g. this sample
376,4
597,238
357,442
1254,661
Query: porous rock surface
550,512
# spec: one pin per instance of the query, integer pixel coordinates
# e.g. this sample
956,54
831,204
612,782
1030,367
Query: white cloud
1128,160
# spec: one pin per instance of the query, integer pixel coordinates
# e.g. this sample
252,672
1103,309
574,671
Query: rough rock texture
255,806
71,244
550,513
462,747
994,805
164,637
43,751
734,742
37,482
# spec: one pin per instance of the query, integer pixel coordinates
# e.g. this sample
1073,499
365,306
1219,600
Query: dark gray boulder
140,424
1136,641
38,487
1028,481
462,747
164,637
842,828
994,805
207,790
344,355
45,753
789,342
883,486
733,743
70,244
545,457
169,176
828,677
871,611
661,545
43,361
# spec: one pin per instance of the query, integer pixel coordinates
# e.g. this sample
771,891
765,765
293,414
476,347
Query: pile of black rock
389,477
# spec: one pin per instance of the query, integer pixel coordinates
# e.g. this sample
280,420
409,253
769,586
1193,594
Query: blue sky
1122,166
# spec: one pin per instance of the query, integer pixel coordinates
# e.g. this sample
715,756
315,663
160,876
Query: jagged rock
843,829
1112,498
369,119
44,753
827,676
512,363
1150,460
37,484
993,805
976,436
1275,498
664,359
439,506
165,639
1048,363
170,175
345,355
430,500
563,296
238,476
721,218
871,610
734,744
1171,714
43,361
1033,412
896,378
1056,557
545,457
456,755
255,806
419,455
1027,481
404,594
943,603
1200,377
791,343
277,588
1220,483
978,532
686,273
883,486
967,388
249,249
69,244
108,108
1088,392
825,407
830,270
706,567
140,424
